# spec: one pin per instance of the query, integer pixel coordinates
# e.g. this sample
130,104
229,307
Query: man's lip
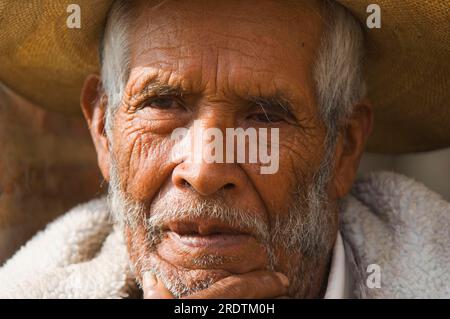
217,240
186,243
207,234
203,227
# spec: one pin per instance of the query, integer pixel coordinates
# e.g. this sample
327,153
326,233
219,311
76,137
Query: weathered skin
220,53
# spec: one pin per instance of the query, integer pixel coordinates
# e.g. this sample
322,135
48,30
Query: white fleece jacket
388,220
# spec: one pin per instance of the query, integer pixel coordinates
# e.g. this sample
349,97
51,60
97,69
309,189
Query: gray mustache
162,212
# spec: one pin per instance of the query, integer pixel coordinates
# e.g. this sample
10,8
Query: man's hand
256,284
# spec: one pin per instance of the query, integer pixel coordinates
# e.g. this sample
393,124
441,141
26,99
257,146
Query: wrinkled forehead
259,34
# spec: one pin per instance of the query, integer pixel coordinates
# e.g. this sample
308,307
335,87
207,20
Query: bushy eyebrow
273,102
278,103
157,88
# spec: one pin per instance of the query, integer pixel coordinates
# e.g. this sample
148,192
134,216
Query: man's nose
207,179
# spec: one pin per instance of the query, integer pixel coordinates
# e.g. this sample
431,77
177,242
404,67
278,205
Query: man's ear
350,147
93,105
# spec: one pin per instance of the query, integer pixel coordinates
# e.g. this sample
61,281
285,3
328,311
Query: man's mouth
207,234
210,244
218,240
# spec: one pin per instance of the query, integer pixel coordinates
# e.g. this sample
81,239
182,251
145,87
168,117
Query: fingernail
149,279
283,278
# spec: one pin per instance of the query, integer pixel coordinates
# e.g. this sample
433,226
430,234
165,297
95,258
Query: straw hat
408,63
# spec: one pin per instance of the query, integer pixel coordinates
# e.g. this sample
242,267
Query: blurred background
48,165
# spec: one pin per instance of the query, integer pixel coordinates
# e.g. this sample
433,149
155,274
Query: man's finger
154,288
257,284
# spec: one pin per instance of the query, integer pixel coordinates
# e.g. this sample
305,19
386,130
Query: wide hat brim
408,63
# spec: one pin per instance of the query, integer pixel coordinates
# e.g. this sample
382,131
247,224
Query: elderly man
207,229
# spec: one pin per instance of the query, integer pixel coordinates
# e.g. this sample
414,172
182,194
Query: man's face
212,63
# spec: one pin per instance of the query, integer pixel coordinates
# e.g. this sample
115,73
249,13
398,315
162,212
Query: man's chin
185,269
184,281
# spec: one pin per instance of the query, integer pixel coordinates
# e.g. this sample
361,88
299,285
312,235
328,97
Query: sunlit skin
220,56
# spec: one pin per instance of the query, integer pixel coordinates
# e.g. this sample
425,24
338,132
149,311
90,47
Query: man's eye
162,103
265,118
